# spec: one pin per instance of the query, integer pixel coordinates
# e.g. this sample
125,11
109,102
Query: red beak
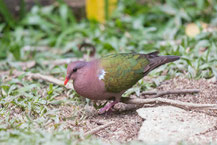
66,81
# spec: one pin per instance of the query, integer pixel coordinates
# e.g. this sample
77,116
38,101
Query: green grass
27,107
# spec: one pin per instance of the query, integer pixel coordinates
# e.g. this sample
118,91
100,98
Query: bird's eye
74,69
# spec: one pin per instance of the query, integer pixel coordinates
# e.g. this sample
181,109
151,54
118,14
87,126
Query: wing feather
123,70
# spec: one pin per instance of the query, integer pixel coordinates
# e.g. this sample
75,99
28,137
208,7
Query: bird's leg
108,107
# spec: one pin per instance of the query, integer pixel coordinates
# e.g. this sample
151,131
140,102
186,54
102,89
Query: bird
108,77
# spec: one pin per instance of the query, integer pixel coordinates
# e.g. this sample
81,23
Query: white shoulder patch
101,74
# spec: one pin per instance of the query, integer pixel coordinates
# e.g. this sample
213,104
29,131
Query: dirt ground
127,122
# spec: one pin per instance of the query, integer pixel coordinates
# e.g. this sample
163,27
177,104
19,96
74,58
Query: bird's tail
156,61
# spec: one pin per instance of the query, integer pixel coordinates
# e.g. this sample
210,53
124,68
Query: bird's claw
107,107
104,110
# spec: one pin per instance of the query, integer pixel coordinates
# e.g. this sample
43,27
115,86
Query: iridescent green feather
123,70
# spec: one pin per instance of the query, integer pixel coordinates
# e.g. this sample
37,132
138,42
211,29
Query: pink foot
107,107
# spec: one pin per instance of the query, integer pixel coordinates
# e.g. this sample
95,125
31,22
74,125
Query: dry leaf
192,30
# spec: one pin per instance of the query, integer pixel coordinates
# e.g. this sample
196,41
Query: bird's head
73,69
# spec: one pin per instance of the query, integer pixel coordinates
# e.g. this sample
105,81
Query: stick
24,65
60,61
31,64
176,103
162,93
97,129
35,48
44,78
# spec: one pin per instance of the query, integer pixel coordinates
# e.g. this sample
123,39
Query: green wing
122,70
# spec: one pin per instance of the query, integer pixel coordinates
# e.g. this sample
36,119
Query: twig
44,78
162,93
97,129
30,64
60,61
176,103
24,65
214,128
35,48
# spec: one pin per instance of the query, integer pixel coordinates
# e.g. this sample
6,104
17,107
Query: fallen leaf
192,30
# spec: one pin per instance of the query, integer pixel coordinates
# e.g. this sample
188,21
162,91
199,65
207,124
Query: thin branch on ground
45,78
31,64
162,93
60,61
97,129
24,65
214,128
36,48
163,101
